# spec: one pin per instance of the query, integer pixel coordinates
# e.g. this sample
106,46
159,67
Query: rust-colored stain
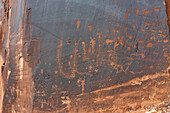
149,45
126,15
78,23
90,27
146,12
77,56
109,41
84,50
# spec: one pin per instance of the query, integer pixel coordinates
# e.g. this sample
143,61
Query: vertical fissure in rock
167,4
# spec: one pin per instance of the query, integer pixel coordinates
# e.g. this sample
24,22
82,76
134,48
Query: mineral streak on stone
84,56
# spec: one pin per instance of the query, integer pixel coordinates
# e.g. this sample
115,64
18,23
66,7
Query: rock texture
84,56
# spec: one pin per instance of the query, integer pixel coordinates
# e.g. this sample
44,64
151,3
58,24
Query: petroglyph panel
85,55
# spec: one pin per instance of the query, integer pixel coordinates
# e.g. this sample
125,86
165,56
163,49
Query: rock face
84,56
